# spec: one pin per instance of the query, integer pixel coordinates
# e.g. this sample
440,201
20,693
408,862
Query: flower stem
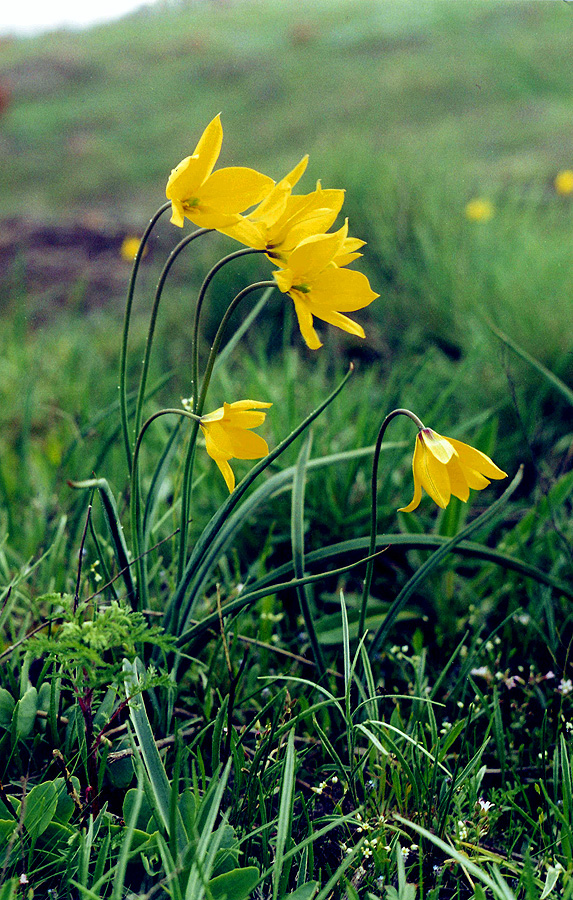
200,299
126,323
198,410
374,509
136,518
153,319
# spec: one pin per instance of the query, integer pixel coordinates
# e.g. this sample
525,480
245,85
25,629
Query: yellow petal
311,222
245,231
217,441
458,483
304,317
245,418
341,289
208,217
234,189
313,255
340,321
433,475
247,444
227,473
284,279
214,416
177,213
344,259
272,207
296,174
247,404
209,147
185,179
475,459
474,479
439,446
415,502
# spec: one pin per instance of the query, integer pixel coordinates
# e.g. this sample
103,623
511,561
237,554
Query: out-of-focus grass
478,89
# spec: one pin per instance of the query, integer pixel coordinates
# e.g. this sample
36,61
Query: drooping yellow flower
283,219
444,466
227,434
479,210
318,285
564,182
213,199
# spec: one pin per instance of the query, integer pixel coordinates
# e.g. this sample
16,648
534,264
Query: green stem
200,299
198,409
374,509
153,319
126,323
136,519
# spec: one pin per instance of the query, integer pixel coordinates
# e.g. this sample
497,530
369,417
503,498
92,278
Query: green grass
244,772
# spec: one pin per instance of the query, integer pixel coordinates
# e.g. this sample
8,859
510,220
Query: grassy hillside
479,91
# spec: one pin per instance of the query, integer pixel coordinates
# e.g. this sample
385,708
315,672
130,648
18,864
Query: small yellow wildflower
129,247
227,435
479,210
564,182
318,285
444,466
213,199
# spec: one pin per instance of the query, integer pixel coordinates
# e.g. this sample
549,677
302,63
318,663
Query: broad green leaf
41,805
234,885
7,704
25,714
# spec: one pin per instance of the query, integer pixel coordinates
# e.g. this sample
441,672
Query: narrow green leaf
284,822
120,869
41,805
208,843
160,785
553,379
115,529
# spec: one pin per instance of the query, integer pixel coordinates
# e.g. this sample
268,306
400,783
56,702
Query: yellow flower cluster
290,228
311,267
293,231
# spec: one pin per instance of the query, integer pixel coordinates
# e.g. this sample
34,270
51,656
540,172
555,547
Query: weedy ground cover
272,686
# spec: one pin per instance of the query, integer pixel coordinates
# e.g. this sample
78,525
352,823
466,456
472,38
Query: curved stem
208,279
136,521
198,409
374,509
153,319
126,323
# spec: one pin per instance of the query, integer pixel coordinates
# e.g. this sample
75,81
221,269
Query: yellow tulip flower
227,435
213,199
319,287
283,219
444,466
